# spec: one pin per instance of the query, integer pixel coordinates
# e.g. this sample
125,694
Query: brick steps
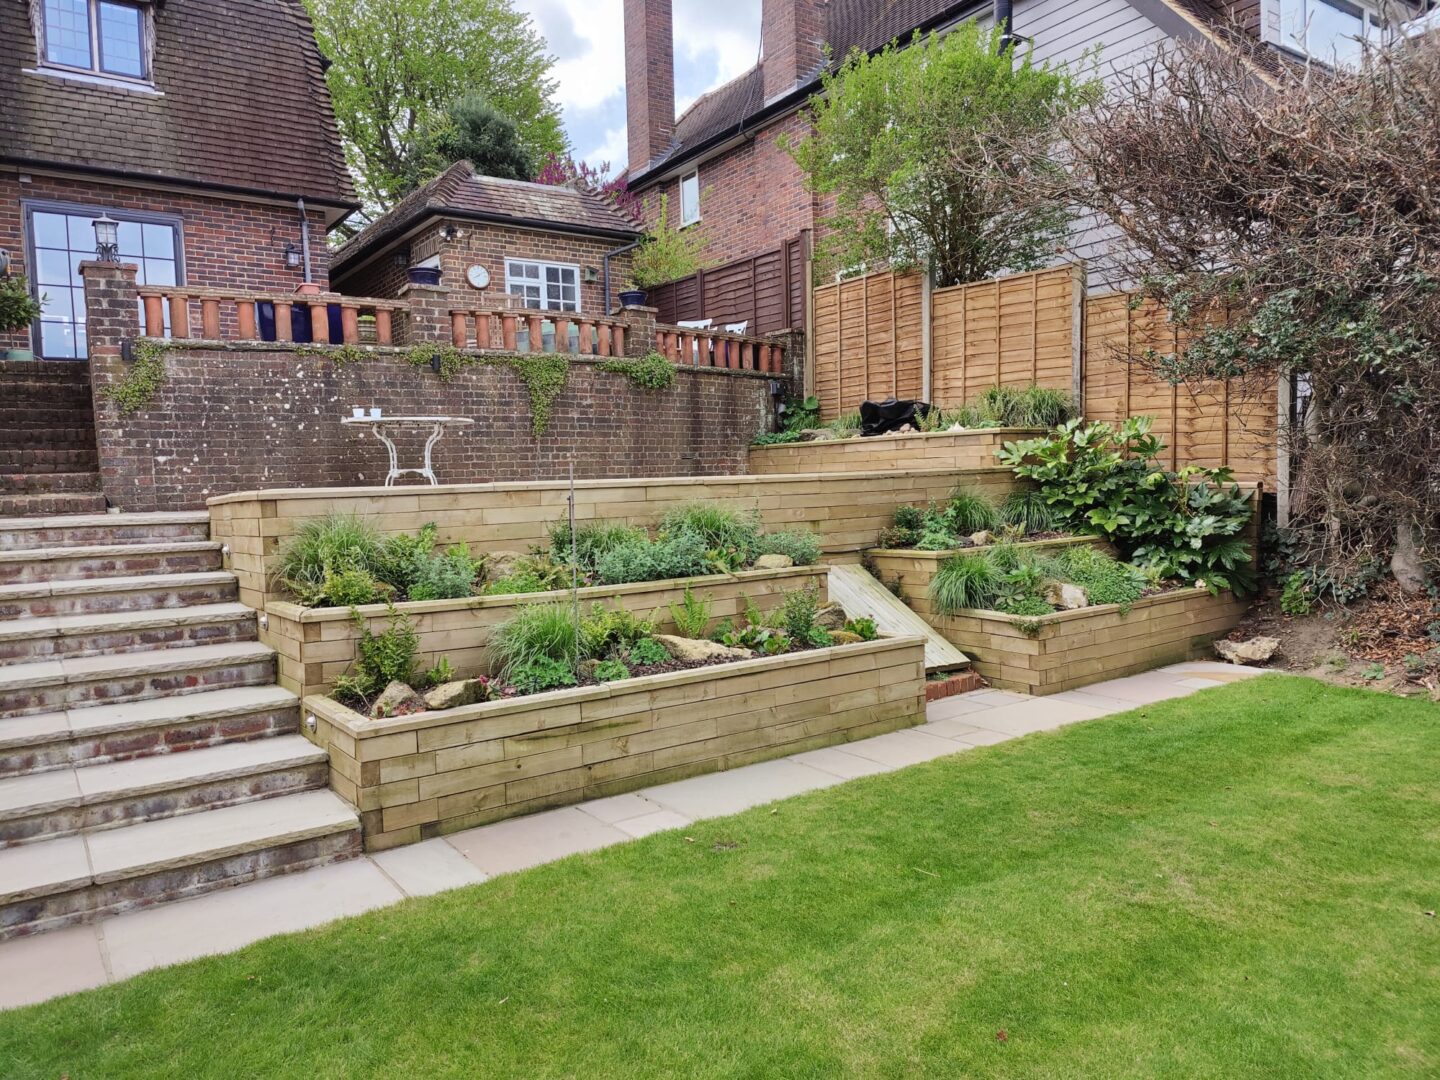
27,483
102,529
64,801
54,636
53,459
50,685
49,505
57,882
111,560
94,596
98,734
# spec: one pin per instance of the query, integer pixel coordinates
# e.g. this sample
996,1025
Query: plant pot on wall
19,354
423,275
307,288
632,297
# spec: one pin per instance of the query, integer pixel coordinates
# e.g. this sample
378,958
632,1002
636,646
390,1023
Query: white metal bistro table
382,426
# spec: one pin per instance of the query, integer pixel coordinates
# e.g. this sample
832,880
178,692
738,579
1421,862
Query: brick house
554,248
719,161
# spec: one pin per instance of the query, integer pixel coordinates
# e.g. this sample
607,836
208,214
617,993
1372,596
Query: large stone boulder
683,648
499,564
452,695
1065,596
830,617
816,435
774,562
845,637
1256,650
397,699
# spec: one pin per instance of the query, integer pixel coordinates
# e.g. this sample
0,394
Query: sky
715,40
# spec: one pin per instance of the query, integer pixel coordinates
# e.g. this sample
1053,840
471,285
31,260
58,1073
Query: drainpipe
1005,20
606,264
304,241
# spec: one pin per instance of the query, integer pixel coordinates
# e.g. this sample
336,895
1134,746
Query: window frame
1373,28
693,174
543,265
30,207
97,46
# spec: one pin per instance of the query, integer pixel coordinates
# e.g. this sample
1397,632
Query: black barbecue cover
883,417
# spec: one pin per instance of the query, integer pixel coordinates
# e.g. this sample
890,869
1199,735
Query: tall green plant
666,252
18,309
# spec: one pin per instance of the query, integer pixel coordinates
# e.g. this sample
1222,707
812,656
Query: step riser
88,567
100,535
143,742
135,688
51,505
126,641
211,795
110,603
48,483
95,901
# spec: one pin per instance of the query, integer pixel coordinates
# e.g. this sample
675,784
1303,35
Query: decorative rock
1065,596
682,648
830,617
1255,651
587,668
397,699
452,695
845,637
499,564
981,538
816,435
774,562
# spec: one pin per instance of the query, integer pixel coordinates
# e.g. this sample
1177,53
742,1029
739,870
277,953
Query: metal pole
574,570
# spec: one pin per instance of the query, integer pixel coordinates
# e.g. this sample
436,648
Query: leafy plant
18,309
532,573
1029,606
349,588
864,628
1295,598
691,616
438,674
666,253
540,673
607,631
448,575
798,610
402,556
1028,406
651,372
647,651
732,535
964,581
969,511
643,559
322,548
1105,580
819,637
544,378
610,671
380,659
1027,509
801,545
1373,672
534,633
142,379
591,541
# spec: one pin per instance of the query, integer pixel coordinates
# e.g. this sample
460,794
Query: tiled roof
460,190
242,103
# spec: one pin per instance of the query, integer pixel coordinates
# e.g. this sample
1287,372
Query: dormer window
1333,32
106,37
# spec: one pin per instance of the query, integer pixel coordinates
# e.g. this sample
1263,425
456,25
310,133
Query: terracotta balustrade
214,305
716,348
499,328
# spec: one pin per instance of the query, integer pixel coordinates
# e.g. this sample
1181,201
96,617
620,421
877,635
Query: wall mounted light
292,256
107,238
450,232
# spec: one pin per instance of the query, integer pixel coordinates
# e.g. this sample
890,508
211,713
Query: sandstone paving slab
900,748
960,705
1144,689
847,766
729,792
1196,683
1036,714
655,822
40,869
950,728
983,737
518,843
43,966
232,918
164,772
428,867
37,792
618,808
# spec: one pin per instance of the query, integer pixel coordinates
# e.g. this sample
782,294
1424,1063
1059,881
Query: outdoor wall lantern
107,238
292,256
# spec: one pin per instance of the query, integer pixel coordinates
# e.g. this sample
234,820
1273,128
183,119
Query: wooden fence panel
1010,331
1213,424
867,341
766,291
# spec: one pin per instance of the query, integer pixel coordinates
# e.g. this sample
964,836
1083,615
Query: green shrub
798,610
1030,406
1104,579
379,658
964,581
326,547
533,573
801,545
969,511
535,632
442,672
1027,511
730,537
606,631
1295,597
864,628
610,671
592,540
819,637
402,557
1024,605
349,588
647,651
691,616
446,576
936,539
909,517
681,555
540,673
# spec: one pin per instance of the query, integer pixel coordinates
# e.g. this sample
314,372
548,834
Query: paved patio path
77,958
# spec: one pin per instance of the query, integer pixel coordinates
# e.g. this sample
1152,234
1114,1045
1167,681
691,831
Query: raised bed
1052,653
413,777
971,449
314,646
913,569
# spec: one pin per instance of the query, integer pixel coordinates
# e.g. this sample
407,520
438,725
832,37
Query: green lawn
1234,884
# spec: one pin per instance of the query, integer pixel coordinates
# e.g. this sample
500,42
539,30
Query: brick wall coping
362,727
896,436
289,609
414,491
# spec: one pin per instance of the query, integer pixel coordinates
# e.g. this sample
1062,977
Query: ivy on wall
651,372
139,385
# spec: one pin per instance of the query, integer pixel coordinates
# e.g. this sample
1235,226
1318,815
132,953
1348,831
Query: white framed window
690,199
544,285
107,37
1330,31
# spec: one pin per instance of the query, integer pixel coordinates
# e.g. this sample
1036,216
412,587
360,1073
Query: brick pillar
793,364
427,318
112,307
639,328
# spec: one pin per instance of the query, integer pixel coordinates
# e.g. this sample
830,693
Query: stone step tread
27,796
94,720
103,551
31,590
55,866
48,626
85,521
121,665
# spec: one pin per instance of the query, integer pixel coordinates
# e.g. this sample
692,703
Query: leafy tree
474,130
396,66
666,253
934,153
561,169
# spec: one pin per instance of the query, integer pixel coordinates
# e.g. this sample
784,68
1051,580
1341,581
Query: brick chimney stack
791,35
649,80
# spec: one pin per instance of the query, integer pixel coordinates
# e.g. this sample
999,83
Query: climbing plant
139,385
651,372
545,377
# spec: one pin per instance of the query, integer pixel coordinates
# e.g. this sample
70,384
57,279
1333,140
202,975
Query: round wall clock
478,276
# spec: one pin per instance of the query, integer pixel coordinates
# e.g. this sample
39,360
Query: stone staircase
48,462
146,753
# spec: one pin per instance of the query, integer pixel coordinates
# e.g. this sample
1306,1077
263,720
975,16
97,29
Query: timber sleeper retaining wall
971,449
414,777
